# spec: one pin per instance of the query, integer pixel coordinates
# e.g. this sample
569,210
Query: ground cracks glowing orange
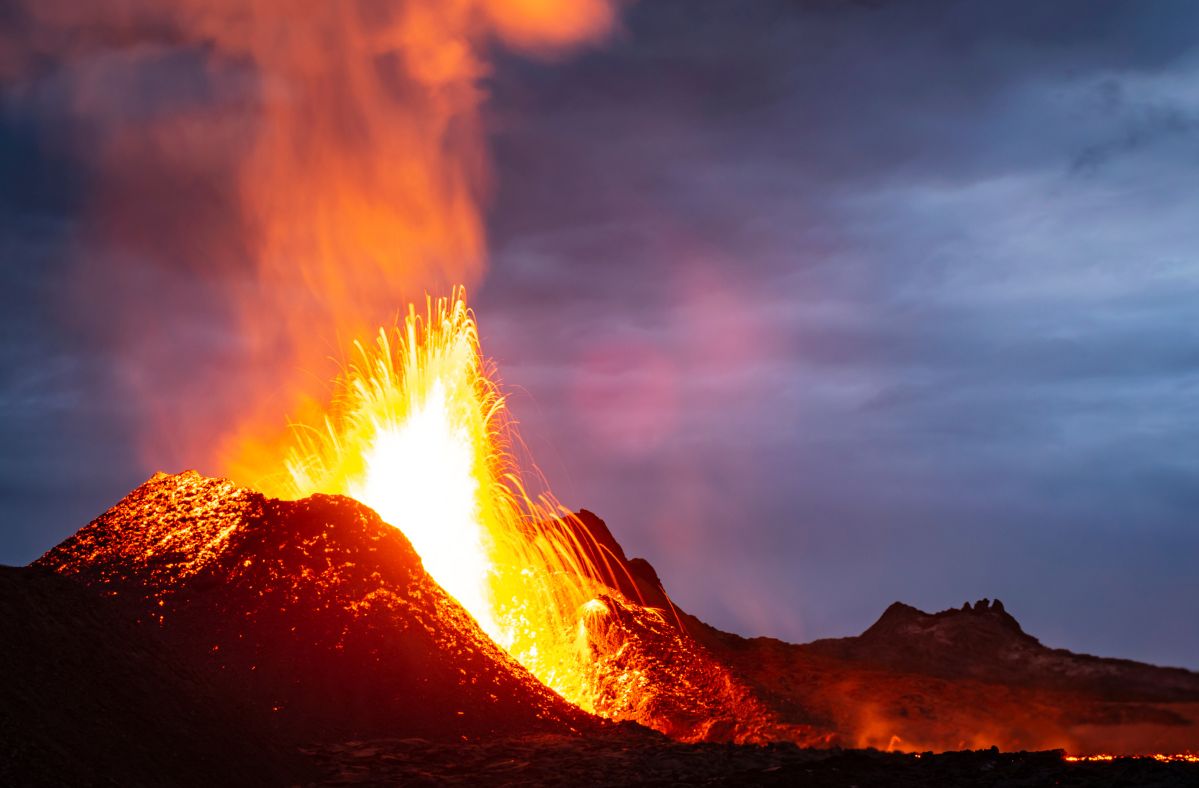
1180,757
418,430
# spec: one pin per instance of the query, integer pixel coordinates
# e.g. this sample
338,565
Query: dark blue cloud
959,238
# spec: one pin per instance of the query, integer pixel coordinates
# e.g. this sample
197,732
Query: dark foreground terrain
630,759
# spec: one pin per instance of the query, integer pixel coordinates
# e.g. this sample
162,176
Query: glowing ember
418,431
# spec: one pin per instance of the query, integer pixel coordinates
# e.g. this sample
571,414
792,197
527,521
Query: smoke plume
271,180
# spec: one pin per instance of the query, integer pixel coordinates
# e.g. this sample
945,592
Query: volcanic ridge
201,629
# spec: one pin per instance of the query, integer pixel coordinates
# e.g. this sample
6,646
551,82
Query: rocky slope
89,698
963,678
315,613
316,622
646,668
648,761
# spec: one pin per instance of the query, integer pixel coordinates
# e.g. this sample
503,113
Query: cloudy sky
821,305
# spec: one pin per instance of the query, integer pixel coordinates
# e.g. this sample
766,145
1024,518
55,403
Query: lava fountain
417,429
353,157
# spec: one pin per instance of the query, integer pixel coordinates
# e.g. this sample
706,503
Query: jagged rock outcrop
635,578
984,642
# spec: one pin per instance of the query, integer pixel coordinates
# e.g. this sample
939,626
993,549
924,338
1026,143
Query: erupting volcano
259,269
418,431
458,605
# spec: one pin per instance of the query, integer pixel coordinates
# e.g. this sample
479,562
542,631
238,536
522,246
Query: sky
820,305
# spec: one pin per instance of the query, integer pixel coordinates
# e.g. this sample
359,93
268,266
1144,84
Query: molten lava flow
1180,757
418,431
420,472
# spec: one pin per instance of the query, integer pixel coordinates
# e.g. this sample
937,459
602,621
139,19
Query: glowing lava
421,474
418,431
1181,757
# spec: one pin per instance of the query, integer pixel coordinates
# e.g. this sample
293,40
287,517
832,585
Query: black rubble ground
652,760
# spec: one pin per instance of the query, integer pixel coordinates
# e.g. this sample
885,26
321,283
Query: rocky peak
984,620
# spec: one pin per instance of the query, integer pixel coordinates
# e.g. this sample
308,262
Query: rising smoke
268,181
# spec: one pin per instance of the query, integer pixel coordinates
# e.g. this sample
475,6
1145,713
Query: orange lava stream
418,430
1181,757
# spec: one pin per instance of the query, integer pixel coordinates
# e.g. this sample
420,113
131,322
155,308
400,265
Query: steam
330,161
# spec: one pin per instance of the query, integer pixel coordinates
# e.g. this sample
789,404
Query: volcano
316,612
196,611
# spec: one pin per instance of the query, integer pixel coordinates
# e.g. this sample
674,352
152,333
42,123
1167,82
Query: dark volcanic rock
966,678
89,698
944,681
647,670
643,665
620,760
984,642
635,578
315,612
